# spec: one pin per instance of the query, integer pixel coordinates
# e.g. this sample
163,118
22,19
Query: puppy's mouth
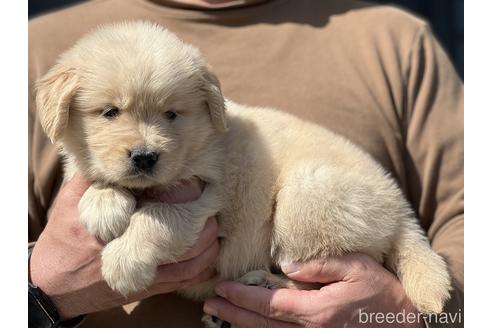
181,191
140,180
137,174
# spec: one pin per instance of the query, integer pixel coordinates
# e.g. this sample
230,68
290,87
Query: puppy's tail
422,272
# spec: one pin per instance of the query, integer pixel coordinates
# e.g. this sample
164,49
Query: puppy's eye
170,115
111,112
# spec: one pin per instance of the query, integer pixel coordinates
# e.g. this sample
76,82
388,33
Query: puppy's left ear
54,93
215,100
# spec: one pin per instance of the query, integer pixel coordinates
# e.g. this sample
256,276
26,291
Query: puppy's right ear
54,93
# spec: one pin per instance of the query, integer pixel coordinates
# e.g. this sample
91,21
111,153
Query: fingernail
219,291
207,308
290,268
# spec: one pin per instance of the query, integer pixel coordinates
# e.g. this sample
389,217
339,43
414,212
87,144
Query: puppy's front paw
124,272
105,212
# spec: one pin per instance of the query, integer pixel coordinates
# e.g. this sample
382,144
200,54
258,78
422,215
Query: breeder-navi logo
410,317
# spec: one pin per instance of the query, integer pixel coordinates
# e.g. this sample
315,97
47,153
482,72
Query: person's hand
66,263
354,285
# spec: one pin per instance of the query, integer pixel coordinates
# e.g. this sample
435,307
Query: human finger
188,269
207,238
239,317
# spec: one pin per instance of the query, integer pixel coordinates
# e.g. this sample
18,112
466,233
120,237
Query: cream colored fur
286,190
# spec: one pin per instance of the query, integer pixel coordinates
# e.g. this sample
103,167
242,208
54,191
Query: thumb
75,187
324,271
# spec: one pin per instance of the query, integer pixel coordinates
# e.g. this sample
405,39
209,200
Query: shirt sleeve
44,165
434,153
36,214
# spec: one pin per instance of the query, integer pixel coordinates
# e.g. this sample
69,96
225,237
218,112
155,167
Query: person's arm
66,263
434,143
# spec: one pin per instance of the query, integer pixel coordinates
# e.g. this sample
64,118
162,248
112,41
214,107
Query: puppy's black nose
144,160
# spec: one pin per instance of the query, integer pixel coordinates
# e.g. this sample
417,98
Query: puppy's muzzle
144,160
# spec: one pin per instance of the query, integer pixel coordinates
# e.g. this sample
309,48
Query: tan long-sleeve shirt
374,74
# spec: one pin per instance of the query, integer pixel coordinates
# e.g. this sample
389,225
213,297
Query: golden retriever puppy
133,107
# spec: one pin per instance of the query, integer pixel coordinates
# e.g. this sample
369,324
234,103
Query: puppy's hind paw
123,272
214,322
263,278
269,280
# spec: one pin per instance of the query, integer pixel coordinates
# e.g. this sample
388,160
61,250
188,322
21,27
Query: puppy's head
132,103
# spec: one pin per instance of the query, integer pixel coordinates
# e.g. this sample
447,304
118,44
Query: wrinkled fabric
374,74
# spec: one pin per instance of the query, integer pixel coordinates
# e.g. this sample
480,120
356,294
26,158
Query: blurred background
445,17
